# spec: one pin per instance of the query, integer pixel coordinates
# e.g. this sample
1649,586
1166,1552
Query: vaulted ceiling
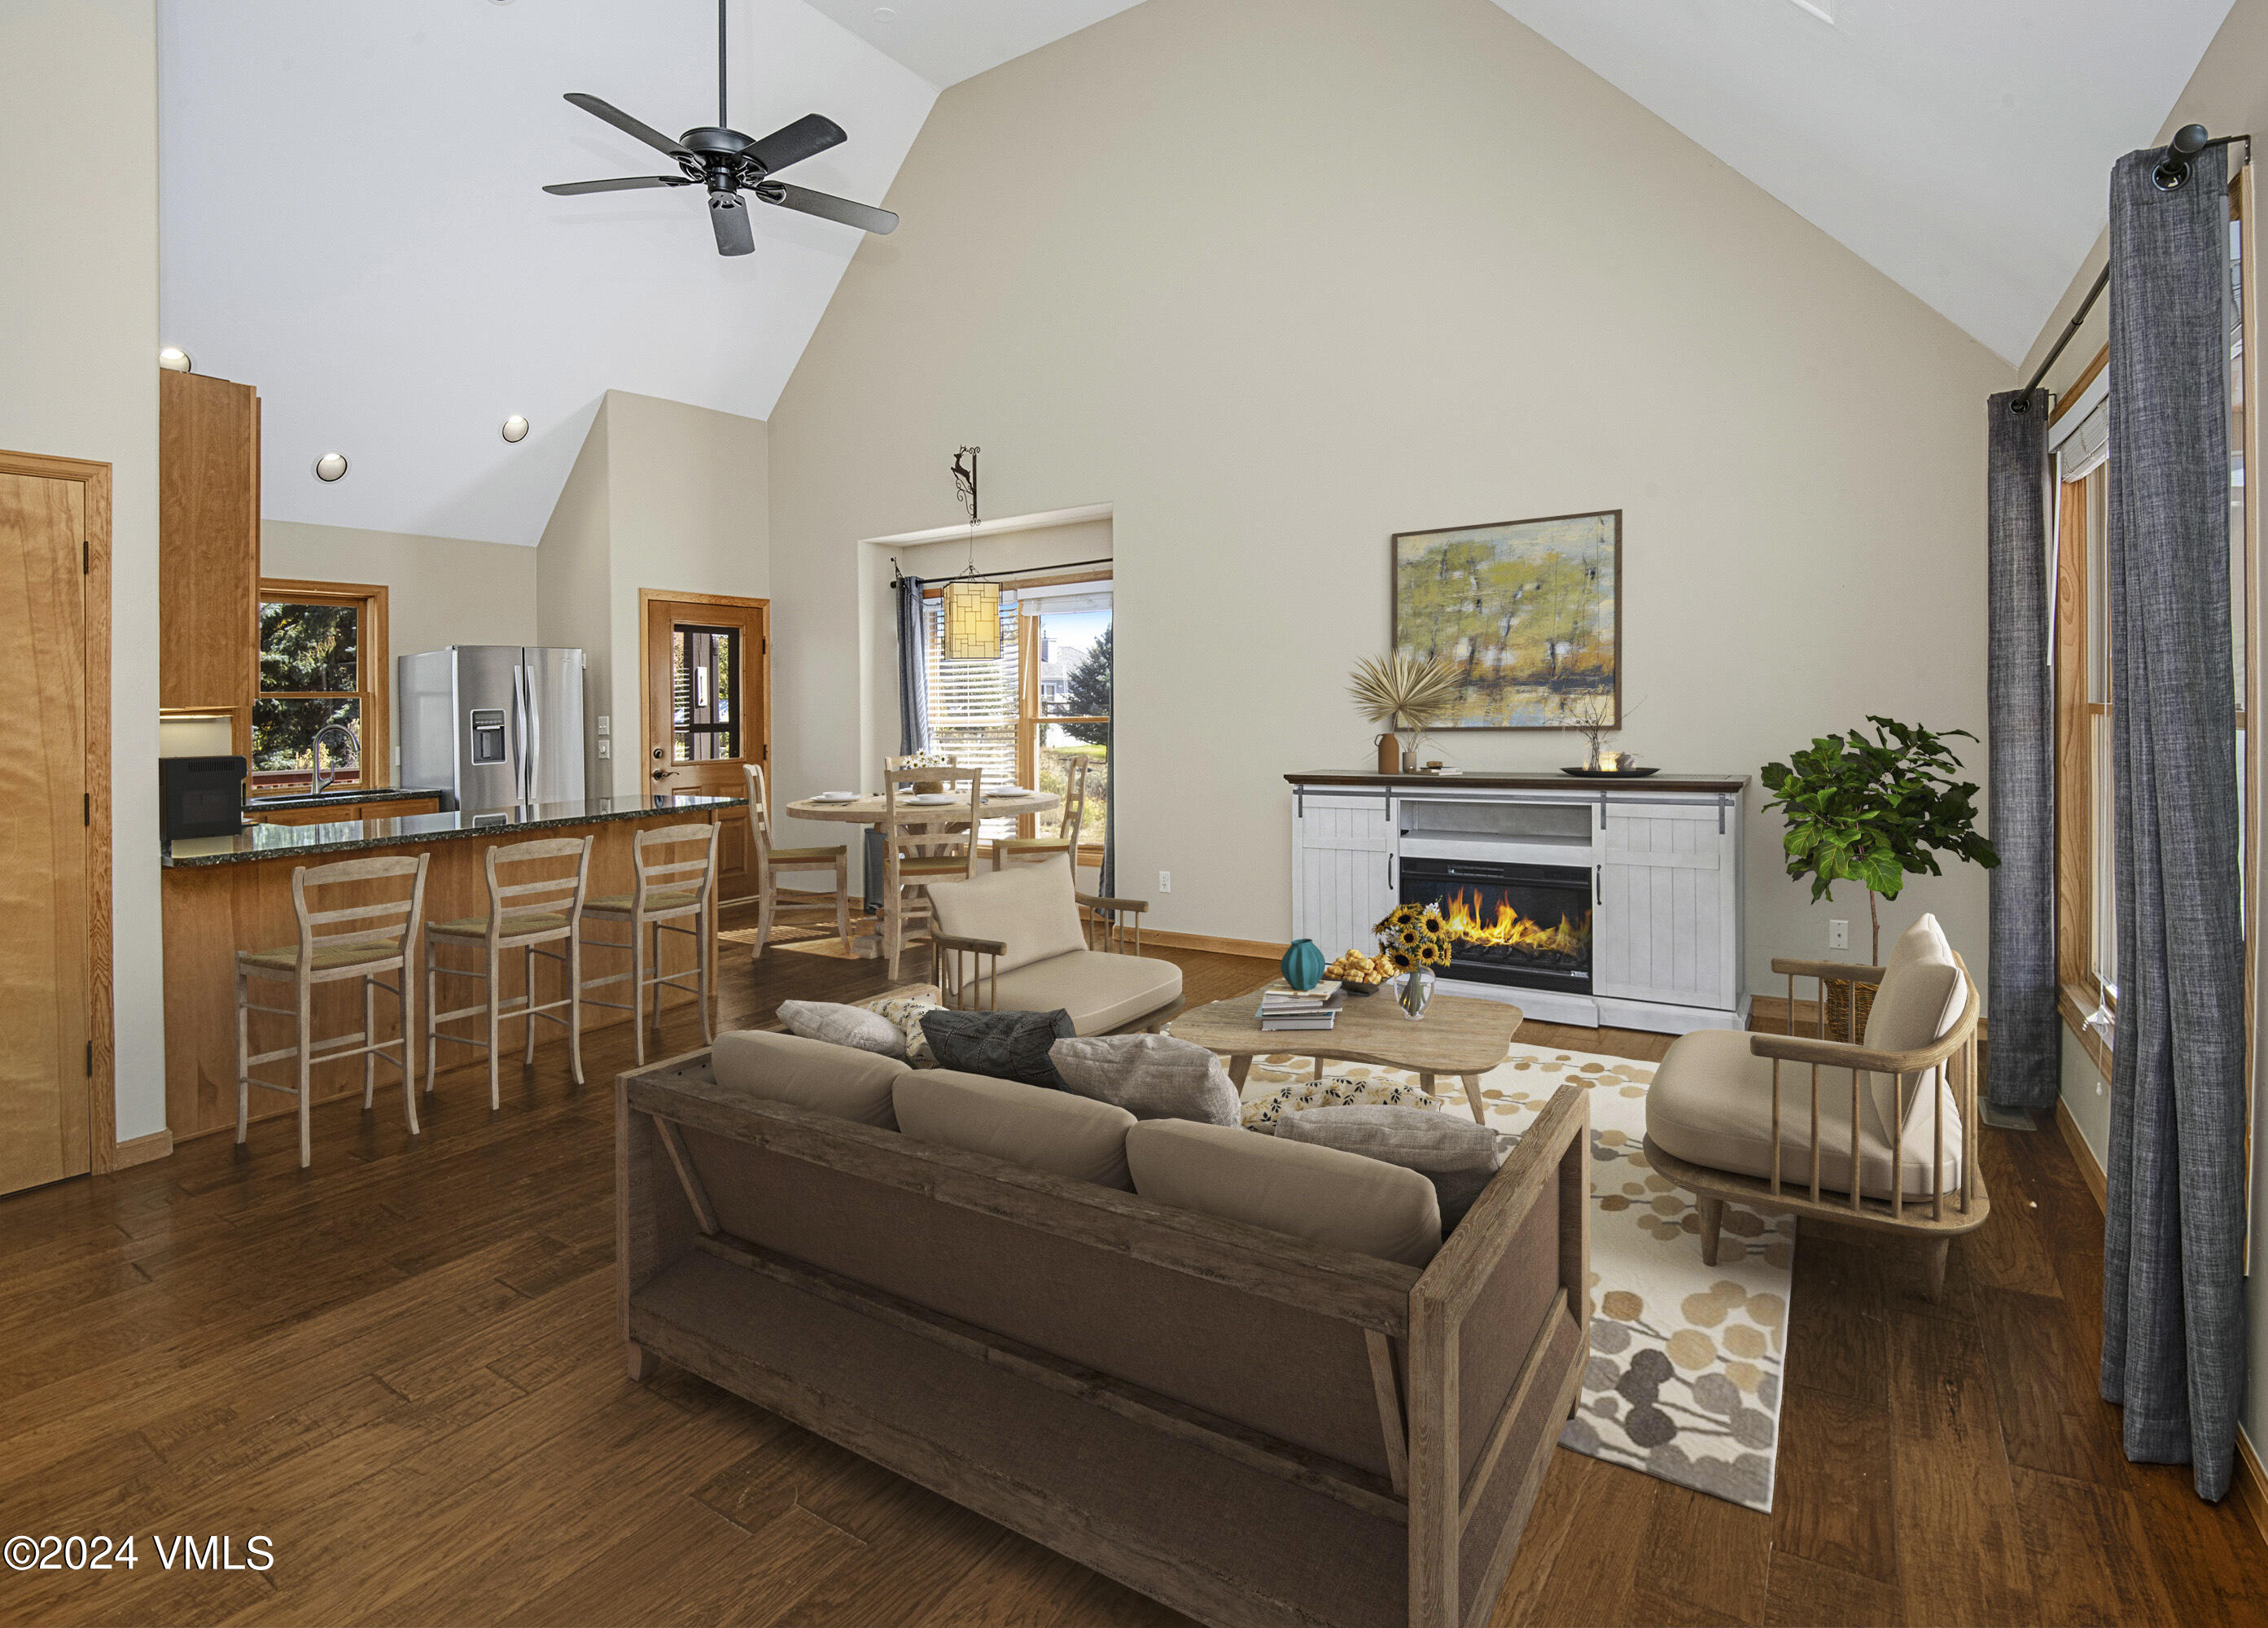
350,216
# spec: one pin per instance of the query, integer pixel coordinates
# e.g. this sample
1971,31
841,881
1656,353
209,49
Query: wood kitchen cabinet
208,548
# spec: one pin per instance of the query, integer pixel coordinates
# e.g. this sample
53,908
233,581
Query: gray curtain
2172,1333
2023,1064
913,671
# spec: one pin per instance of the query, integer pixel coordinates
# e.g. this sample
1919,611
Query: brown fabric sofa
1253,1429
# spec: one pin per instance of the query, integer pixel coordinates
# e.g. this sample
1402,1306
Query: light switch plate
605,747
606,726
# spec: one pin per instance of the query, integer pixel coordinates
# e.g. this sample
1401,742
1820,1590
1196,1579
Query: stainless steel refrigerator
493,724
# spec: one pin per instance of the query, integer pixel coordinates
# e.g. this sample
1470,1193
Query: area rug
1684,1381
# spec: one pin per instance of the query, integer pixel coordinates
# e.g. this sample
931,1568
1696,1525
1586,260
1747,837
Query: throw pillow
1454,1154
1265,1113
1150,1076
844,1026
1003,1045
906,1007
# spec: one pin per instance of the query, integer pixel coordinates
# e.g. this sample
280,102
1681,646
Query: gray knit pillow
1001,1045
1150,1076
1458,1156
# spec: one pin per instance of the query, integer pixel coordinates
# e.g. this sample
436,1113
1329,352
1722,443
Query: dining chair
523,916
1027,850
667,892
771,861
379,934
924,844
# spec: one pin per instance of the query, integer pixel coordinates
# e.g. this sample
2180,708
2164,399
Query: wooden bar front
212,911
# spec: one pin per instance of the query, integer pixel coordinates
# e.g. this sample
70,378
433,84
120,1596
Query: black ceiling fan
728,163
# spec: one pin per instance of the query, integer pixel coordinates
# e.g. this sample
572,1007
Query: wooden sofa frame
1447,1517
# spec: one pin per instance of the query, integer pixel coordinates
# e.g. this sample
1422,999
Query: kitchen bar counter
303,844
226,894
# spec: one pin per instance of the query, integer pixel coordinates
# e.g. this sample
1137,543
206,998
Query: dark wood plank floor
399,1367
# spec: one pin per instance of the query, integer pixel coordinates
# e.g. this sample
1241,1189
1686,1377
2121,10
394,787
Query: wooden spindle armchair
1023,939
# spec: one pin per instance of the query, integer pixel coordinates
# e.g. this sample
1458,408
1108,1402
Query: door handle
1389,869
661,774
534,755
1598,887
519,733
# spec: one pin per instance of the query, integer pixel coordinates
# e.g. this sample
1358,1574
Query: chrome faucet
321,779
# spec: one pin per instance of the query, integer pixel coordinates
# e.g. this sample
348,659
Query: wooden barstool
665,894
523,917
771,861
373,945
1024,850
920,846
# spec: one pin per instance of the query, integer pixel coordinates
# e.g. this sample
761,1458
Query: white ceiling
351,218
1963,147
949,40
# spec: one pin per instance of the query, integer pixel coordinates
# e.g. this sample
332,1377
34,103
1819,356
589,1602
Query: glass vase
1417,989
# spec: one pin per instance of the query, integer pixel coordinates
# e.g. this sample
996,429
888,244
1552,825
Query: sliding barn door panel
1342,870
1666,924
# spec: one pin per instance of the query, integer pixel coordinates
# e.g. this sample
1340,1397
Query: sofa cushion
1711,1105
847,1083
1150,1076
1032,909
1101,991
1320,1195
1027,1125
1919,999
1000,1045
1456,1155
839,1024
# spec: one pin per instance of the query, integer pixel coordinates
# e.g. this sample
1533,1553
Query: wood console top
1668,780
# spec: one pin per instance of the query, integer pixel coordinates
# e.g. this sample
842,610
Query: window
323,663
1043,703
705,694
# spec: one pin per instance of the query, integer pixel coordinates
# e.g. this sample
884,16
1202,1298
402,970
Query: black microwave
200,797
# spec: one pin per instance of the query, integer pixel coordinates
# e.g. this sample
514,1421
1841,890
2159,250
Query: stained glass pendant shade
972,620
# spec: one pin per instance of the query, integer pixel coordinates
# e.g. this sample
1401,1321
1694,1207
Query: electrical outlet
1838,933
1165,881
605,747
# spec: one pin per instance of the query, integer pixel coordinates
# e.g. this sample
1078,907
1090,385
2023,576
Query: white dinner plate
930,799
835,797
1010,791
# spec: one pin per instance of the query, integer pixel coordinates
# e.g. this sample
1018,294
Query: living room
1231,322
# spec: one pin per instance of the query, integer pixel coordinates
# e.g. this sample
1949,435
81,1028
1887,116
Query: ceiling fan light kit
728,164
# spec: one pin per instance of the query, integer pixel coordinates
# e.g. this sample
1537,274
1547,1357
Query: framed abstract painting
1527,613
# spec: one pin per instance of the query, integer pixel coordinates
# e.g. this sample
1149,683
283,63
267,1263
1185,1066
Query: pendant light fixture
971,607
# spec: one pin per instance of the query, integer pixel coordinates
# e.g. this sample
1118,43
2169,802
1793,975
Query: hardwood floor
399,1367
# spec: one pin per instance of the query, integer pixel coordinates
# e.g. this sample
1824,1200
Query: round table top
870,810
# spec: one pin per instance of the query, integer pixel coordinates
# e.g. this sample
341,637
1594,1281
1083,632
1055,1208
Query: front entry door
708,709
44,815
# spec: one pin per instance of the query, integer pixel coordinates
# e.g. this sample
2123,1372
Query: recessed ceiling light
886,14
331,467
515,428
174,359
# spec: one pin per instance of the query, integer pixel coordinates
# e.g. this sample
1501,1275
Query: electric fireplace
1527,925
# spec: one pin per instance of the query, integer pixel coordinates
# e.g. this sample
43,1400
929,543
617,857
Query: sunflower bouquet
1416,941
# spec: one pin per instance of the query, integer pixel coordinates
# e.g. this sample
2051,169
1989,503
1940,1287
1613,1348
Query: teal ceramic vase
1303,965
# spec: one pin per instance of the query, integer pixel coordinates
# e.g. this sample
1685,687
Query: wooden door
1342,881
46,810
707,660
1664,926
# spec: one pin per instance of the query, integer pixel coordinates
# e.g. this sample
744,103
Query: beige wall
78,379
662,495
1278,280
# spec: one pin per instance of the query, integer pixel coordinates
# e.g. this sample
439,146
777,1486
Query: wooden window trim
373,673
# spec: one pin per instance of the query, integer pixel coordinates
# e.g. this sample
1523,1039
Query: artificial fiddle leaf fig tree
1875,811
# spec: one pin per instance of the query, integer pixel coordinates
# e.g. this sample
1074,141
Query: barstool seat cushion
659,899
324,958
809,856
517,923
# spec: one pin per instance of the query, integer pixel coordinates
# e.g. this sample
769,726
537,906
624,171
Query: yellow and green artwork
1528,614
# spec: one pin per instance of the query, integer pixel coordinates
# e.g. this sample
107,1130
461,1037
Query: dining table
915,816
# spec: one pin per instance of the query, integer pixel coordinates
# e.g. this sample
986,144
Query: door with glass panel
708,708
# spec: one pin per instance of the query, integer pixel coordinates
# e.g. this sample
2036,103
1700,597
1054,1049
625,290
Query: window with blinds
973,704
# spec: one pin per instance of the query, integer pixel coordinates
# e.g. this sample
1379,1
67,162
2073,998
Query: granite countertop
307,841
376,794
1668,780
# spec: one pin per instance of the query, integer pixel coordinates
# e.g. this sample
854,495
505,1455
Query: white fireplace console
1644,873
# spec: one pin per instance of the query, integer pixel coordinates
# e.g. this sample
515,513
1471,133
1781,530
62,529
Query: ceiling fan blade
792,144
623,123
571,188
728,217
827,206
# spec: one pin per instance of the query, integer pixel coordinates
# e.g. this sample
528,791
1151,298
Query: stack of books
1284,1007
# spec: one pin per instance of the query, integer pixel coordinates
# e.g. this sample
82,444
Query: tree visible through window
312,676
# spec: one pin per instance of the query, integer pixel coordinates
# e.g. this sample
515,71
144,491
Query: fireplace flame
1506,928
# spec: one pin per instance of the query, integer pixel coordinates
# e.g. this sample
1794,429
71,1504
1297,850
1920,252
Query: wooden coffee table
1457,1036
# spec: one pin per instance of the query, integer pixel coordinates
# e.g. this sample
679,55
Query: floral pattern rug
1684,1376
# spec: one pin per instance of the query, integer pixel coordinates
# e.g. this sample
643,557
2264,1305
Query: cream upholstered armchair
1023,939
1879,1134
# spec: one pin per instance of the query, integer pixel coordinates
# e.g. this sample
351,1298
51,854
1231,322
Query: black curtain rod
2188,142
898,576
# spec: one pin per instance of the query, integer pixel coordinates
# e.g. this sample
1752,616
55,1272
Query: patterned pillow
906,1008
1004,1045
1333,1091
